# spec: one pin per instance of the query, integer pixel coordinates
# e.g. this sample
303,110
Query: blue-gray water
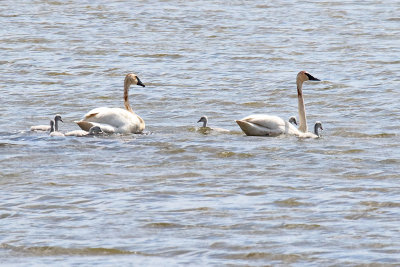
176,196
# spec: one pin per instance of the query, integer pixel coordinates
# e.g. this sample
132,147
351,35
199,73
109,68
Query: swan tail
84,125
252,129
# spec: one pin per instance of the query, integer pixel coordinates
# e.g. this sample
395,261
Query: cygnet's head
203,119
132,78
317,126
95,130
303,76
293,120
58,118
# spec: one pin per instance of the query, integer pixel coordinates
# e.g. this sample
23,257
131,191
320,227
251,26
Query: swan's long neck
302,108
205,123
127,84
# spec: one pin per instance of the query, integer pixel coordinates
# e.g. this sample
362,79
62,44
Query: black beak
199,121
312,78
61,120
139,82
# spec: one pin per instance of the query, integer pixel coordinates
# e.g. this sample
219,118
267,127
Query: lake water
179,196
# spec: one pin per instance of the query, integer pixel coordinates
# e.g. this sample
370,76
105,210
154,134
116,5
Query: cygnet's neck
56,125
204,123
316,128
51,126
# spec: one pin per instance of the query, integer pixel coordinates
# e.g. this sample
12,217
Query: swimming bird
95,130
267,125
316,134
57,118
116,120
53,132
293,120
204,120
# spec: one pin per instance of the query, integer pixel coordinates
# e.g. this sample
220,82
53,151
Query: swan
116,120
54,132
317,126
47,127
316,134
204,120
95,130
268,125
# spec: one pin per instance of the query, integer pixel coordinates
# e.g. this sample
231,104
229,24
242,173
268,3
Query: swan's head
132,78
303,76
58,118
317,126
95,130
293,120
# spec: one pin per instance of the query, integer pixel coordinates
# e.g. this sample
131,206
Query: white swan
95,130
267,125
116,120
47,127
204,120
54,132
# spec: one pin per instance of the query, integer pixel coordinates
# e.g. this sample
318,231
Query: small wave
300,226
287,258
229,154
164,225
174,56
363,135
290,202
55,251
254,104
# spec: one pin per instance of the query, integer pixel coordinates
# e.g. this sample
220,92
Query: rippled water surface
179,196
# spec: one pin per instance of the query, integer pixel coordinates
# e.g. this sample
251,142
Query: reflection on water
179,194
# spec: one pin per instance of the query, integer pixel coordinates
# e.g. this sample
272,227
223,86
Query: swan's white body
267,125
116,120
93,131
204,120
45,128
112,120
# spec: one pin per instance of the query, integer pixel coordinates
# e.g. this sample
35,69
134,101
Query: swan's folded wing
86,125
267,121
252,129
